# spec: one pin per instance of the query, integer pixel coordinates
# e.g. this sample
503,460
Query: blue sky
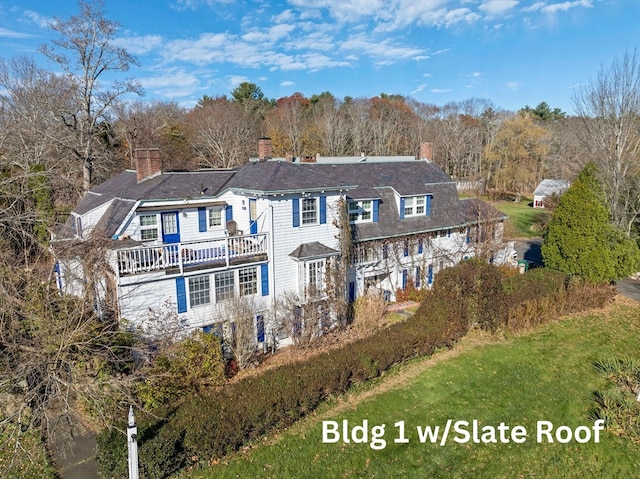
512,52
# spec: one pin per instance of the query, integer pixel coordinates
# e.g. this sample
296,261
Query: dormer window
415,206
360,211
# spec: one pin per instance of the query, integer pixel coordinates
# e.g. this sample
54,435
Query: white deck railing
218,252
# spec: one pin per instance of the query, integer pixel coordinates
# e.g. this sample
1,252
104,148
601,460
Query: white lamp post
132,433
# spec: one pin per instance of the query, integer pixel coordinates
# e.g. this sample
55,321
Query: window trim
251,284
315,211
359,211
195,292
209,218
317,268
229,289
149,227
412,205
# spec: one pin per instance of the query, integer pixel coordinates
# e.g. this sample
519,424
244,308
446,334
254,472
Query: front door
170,228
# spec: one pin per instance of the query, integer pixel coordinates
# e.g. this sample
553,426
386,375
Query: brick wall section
426,151
148,163
264,148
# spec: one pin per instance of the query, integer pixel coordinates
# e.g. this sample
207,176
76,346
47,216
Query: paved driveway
629,287
530,250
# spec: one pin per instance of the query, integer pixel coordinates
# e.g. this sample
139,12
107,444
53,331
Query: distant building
547,188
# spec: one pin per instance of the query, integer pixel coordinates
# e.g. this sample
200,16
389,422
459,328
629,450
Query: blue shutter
228,211
264,279
468,240
375,211
406,247
385,251
420,246
430,274
202,220
295,204
181,294
260,328
405,274
417,281
448,233
427,205
323,210
401,208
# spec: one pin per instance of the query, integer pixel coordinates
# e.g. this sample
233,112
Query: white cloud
441,90
564,6
6,33
558,7
235,80
513,85
495,8
35,17
419,88
380,49
287,83
172,83
139,45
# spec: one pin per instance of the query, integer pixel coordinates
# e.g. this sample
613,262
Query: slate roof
548,187
359,181
475,211
313,250
407,177
123,191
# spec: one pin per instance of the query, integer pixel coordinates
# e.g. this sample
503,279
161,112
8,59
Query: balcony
176,258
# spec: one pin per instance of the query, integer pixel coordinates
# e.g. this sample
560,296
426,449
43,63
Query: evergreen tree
579,238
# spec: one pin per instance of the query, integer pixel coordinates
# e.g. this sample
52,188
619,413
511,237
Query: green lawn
521,217
545,376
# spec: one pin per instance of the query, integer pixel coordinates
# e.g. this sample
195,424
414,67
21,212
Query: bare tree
86,52
157,124
222,132
609,107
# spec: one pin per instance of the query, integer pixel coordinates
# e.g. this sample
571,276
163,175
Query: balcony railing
215,253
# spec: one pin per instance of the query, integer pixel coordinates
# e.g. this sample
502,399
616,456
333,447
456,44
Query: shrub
220,421
368,311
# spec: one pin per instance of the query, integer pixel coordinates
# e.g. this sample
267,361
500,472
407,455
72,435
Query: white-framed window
225,285
248,281
314,278
360,211
309,211
414,206
199,290
148,227
215,218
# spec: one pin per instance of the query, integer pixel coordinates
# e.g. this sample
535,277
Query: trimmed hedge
222,420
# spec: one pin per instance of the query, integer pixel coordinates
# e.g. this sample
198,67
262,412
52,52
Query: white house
548,188
196,242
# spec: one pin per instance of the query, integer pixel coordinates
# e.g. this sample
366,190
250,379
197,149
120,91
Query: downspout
272,274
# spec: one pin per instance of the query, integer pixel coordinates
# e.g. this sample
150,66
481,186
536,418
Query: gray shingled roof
357,180
407,178
124,191
313,250
475,210
548,187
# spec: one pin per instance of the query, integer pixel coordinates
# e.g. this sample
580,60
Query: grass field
521,217
545,376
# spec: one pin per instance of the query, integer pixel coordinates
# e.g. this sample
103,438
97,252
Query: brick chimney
148,163
426,151
264,149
